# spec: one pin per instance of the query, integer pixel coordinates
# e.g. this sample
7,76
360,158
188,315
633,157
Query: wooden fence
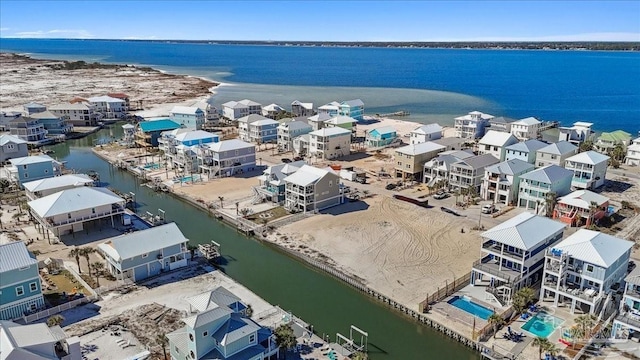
443,292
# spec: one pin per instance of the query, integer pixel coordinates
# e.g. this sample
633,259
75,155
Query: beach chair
125,345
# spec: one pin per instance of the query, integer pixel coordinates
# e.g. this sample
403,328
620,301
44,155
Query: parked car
489,209
361,180
390,186
440,195
286,160
298,158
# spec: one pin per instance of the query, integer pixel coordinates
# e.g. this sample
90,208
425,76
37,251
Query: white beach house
512,254
425,133
43,187
330,143
576,134
290,130
495,143
524,150
37,342
299,108
526,128
226,158
272,111
437,169
467,174
471,126
589,169
581,271
501,181
312,189
109,107
555,154
77,113
633,153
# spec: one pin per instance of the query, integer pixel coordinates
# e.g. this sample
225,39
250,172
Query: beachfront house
176,145
425,133
189,117
436,170
226,158
525,129
467,174
501,123
410,159
537,184
301,109
272,111
77,113
582,270
555,154
53,124
312,189
34,108
150,131
243,125
589,169
342,121
626,325
145,253
44,187
471,126
217,327
12,147
609,140
512,254
263,131
234,110
581,207
122,96
272,185
109,107
353,109
37,342
495,143
332,109
330,143
576,134
452,143
20,288
28,129
524,150
633,153
73,210
381,136
501,181
290,130
317,121
30,168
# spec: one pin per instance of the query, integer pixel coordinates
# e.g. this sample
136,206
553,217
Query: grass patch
268,215
63,282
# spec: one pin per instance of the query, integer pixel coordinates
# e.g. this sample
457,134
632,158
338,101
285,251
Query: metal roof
548,174
229,145
249,102
307,106
71,200
479,161
194,135
264,122
355,102
525,231
295,125
158,125
234,105
559,148
331,131
144,241
341,119
582,199
44,115
71,106
4,139
34,159
306,175
235,328
420,148
527,121
589,157
273,107
469,116
510,167
615,136
14,255
58,182
251,118
208,316
383,130
528,146
191,110
22,342
497,138
428,129
219,296
105,98
594,247
322,117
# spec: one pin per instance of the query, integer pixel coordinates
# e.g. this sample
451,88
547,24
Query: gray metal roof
525,231
44,115
356,102
497,138
34,159
143,241
428,129
478,162
589,157
559,148
4,139
58,182
528,146
421,148
510,167
22,342
229,145
14,255
594,247
295,125
548,174
219,296
76,199
251,118
208,316
234,329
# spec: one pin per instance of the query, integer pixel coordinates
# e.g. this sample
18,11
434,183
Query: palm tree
552,349
522,298
245,212
161,340
248,312
359,355
285,337
55,320
550,203
542,344
495,321
585,323
86,252
221,198
75,253
618,152
586,146
97,271
593,208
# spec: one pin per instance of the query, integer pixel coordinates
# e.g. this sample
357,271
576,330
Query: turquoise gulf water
433,84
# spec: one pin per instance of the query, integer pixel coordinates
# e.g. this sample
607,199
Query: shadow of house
347,207
616,186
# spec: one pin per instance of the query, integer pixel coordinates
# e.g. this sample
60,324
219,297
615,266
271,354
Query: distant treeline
574,45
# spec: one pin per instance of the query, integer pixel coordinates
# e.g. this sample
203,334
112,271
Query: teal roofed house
149,131
381,136
607,141
20,290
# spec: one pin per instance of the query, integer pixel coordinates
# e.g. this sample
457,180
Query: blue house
146,253
263,131
272,185
20,289
381,136
189,117
352,108
149,131
30,168
219,329
55,125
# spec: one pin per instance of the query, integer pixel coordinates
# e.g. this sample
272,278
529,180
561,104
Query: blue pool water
542,324
470,307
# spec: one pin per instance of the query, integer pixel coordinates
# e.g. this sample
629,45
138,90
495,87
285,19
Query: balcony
114,211
497,248
629,319
492,268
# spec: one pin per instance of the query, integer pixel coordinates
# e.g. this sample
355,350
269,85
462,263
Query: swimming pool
542,325
465,303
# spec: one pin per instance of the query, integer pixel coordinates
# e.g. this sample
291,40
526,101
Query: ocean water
432,84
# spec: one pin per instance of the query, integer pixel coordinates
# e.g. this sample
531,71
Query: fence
118,284
448,289
57,309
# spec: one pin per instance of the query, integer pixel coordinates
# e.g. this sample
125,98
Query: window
24,167
331,183
190,336
26,175
32,307
69,216
252,338
177,350
589,268
33,287
93,210
19,291
204,334
192,354
145,255
46,171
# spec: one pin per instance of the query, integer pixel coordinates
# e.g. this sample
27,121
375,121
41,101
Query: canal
326,303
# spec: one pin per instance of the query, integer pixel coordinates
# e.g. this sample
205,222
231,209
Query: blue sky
327,20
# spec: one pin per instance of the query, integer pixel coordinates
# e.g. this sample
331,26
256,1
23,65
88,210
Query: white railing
85,218
58,309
